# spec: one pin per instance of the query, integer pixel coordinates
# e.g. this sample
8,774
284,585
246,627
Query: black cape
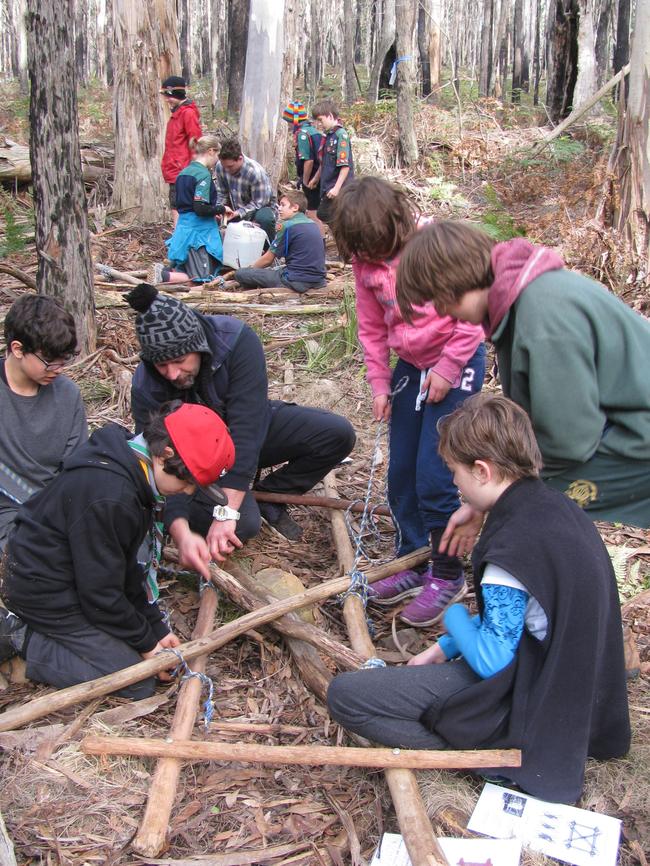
563,698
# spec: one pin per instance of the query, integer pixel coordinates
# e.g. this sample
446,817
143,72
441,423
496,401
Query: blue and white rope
187,673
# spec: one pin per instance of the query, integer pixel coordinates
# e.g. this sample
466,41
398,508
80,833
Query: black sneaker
12,634
278,518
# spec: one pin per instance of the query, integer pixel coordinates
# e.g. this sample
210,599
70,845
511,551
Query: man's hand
432,655
222,539
461,531
381,407
438,388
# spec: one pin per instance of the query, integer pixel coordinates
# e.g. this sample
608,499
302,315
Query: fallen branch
150,838
19,275
123,277
577,113
58,700
421,844
318,501
306,756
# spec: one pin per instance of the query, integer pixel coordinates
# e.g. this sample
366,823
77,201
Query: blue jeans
421,492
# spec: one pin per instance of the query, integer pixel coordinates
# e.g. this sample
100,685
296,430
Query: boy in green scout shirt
336,163
298,242
307,142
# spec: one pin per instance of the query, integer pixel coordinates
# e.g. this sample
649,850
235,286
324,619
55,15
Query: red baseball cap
203,443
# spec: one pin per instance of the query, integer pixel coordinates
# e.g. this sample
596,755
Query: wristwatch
224,512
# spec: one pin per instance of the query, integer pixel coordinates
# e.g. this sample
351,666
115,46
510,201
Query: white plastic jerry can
243,244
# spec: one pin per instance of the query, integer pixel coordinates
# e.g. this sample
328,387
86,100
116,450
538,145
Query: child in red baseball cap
82,557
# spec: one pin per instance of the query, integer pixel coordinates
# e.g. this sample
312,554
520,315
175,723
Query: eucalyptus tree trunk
219,52
146,51
487,26
586,82
18,8
81,40
62,237
632,215
349,27
537,67
603,41
562,63
238,13
259,119
406,18
386,40
185,39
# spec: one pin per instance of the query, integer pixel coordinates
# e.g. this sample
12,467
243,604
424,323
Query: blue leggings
421,492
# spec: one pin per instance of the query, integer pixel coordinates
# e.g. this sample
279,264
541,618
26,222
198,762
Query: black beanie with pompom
166,328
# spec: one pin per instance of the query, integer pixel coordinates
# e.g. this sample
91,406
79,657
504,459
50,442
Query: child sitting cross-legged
540,668
79,576
298,242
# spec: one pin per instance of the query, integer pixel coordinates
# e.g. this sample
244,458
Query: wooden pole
55,701
307,756
317,501
421,844
150,838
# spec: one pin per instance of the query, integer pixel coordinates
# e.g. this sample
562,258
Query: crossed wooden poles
306,642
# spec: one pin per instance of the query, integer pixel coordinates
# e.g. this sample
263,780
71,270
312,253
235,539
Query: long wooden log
150,838
306,756
241,589
421,844
55,701
311,499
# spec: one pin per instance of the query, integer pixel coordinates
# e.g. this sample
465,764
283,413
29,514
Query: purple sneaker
432,602
404,584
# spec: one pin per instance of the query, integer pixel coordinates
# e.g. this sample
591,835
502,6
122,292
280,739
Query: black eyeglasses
55,365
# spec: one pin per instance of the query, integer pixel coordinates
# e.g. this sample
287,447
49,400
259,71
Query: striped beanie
166,327
295,112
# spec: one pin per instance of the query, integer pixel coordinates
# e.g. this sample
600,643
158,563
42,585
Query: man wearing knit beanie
219,361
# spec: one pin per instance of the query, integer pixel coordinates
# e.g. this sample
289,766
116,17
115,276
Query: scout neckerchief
154,541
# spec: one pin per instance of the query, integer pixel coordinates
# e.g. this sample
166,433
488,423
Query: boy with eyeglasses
43,417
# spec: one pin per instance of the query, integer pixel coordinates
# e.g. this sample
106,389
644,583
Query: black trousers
307,442
79,654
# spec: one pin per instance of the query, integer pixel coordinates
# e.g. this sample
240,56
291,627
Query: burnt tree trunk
386,41
537,66
62,237
219,51
562,64
622,48
185,40
238,15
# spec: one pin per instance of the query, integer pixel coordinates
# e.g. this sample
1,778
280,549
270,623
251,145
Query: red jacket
183,125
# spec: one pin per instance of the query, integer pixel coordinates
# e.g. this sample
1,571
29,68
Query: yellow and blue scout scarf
150,551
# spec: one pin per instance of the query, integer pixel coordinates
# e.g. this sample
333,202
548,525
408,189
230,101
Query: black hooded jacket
72,557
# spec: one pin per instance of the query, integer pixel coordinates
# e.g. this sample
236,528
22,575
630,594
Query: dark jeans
272,278
386,704
307,441
79,655
421,491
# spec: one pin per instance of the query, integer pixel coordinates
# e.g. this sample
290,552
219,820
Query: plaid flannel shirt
247,191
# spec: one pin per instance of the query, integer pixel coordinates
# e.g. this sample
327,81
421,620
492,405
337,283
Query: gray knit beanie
167,328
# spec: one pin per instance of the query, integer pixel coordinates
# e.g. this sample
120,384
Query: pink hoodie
440,342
